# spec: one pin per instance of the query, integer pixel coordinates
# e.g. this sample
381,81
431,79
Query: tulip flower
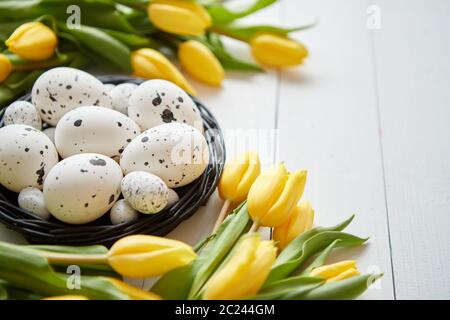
142,256
5,67
300,220
33,41
180,17
276,51
136,256
237,178
337,271
245,272
200,62
274,195
151,64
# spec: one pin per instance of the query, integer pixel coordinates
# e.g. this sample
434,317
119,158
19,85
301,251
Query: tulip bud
151,64
245,272
141,256
277,51
33,41
133,292
5,67
337,271
238,176
200,62
299,221
274,194
179,17
67,297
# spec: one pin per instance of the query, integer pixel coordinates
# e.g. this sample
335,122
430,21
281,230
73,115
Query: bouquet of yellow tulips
135,36
233,263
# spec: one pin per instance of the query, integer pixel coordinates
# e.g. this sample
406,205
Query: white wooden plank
328,124
412,52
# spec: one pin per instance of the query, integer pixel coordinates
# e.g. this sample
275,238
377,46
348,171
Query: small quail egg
173,198
122,212
32,199
59,90
108,87
96,130
145,192
26,156
50,133
175,152
155,102
82,188
120,96
22,112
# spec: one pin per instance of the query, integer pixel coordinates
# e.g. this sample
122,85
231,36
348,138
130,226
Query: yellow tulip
141,256
33,41
5,67
337,271
238,176
300,220
151,64
67,297
245,272
179,17
200,62
277,51
274,194
133,292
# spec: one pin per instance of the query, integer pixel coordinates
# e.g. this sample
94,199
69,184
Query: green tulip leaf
247,33
221,14
346,289
320,259
288,287
16,84
3,292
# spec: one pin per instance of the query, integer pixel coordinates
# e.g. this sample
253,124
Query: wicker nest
101,231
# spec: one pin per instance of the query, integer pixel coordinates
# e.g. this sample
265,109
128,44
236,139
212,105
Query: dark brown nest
101,231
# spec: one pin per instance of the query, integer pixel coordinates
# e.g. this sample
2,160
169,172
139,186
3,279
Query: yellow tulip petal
332,270
201,63
133,292
5,67
266,190
192,6
293,190
345,275
300,221
175,19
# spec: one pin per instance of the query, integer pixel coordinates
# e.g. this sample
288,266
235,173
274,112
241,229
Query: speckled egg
32,200
123,212
108,87
96,130
173,198
155,102
22,112
26,156
120,96
60,90
175,152
82,188
145,192
50,133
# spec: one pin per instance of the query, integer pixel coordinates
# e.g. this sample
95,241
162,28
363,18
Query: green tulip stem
68,258
255,226
222,215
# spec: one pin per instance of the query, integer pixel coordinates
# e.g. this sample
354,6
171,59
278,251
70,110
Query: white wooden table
368,116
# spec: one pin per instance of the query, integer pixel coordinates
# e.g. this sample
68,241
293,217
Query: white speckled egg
26,156
60,90
120,96
50,133
155,102
108,87
123,212
95,130
22,112
145,192
32,200
82,188
173,198
175,152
